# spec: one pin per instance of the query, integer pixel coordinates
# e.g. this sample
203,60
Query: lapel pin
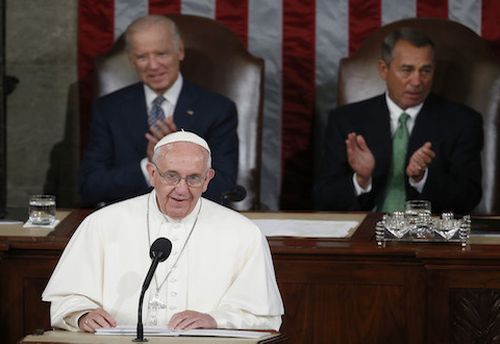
190,112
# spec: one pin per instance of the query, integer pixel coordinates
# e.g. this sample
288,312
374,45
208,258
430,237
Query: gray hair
143,23
416,37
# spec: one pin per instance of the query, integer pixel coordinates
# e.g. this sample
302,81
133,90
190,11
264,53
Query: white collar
172,94
395,111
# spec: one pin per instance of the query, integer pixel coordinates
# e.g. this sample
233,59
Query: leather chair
467,72
216,59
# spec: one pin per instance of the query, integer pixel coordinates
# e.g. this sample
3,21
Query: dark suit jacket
454,176
110,169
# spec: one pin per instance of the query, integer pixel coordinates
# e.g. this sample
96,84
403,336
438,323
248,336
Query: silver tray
422,227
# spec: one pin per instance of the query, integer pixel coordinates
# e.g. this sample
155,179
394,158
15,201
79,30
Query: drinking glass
418,214
416,207
396,224
42,209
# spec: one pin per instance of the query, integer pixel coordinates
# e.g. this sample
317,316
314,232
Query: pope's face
187,161
156,56
409,75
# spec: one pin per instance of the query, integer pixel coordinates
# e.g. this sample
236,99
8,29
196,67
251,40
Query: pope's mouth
179,200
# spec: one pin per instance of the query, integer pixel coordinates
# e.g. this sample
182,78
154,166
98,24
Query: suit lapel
135,110
379,124
425,128
184,113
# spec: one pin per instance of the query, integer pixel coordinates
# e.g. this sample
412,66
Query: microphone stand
147,281
159,252
140,327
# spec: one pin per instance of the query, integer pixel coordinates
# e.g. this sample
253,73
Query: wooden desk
334,290
56,337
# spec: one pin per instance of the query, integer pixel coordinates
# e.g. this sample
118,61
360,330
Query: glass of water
42,209
418,213
416,207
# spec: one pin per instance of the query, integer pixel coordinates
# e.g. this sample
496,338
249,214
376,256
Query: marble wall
42,115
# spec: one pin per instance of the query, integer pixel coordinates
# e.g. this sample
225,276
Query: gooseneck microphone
235,194
159,252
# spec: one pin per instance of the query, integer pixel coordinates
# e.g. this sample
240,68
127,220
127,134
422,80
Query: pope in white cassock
219,274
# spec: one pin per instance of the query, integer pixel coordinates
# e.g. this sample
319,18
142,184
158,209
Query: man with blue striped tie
127,123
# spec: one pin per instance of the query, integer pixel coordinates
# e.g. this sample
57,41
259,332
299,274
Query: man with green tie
405,144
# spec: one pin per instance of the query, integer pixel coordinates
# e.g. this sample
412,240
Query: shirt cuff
419,186
144,170
71,320
358,189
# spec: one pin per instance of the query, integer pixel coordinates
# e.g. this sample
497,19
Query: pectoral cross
153,306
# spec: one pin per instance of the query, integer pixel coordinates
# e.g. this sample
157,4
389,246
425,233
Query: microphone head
160,249
235,194
239,193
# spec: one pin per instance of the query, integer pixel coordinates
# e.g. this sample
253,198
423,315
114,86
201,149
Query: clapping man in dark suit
127,123
405,144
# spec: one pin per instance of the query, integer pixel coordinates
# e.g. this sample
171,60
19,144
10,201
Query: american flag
302,43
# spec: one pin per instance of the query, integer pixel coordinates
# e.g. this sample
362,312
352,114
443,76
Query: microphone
159,252
235,194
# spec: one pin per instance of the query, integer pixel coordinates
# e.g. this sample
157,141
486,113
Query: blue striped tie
156,113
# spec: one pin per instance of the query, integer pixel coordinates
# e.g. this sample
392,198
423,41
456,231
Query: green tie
395,196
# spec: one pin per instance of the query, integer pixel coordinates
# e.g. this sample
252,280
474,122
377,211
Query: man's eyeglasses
173,178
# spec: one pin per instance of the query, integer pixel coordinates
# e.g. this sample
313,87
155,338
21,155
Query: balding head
155,49
145,23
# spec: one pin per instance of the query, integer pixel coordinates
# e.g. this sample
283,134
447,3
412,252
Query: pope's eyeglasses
173,178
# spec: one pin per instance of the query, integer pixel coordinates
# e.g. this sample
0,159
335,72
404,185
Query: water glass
414,208
42,209
396,224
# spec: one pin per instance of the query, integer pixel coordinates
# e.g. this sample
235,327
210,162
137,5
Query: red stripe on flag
432,8
298,59
490,23
95,37
234,14
164,7
364,17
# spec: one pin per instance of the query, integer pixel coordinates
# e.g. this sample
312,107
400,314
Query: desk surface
89,338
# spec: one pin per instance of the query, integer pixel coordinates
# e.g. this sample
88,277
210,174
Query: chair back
216,59
467,72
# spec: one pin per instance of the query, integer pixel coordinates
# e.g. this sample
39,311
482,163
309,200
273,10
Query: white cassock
224,269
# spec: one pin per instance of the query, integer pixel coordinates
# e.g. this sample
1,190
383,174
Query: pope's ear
211,173
210,176
151,173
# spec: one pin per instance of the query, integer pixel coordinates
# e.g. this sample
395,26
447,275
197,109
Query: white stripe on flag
466,12
204,8
331,45
265,40
126,11
392,11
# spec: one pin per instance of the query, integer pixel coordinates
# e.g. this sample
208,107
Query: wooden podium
334,290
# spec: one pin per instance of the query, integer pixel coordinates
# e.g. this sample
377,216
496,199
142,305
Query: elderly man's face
409,75
156,57
188,161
